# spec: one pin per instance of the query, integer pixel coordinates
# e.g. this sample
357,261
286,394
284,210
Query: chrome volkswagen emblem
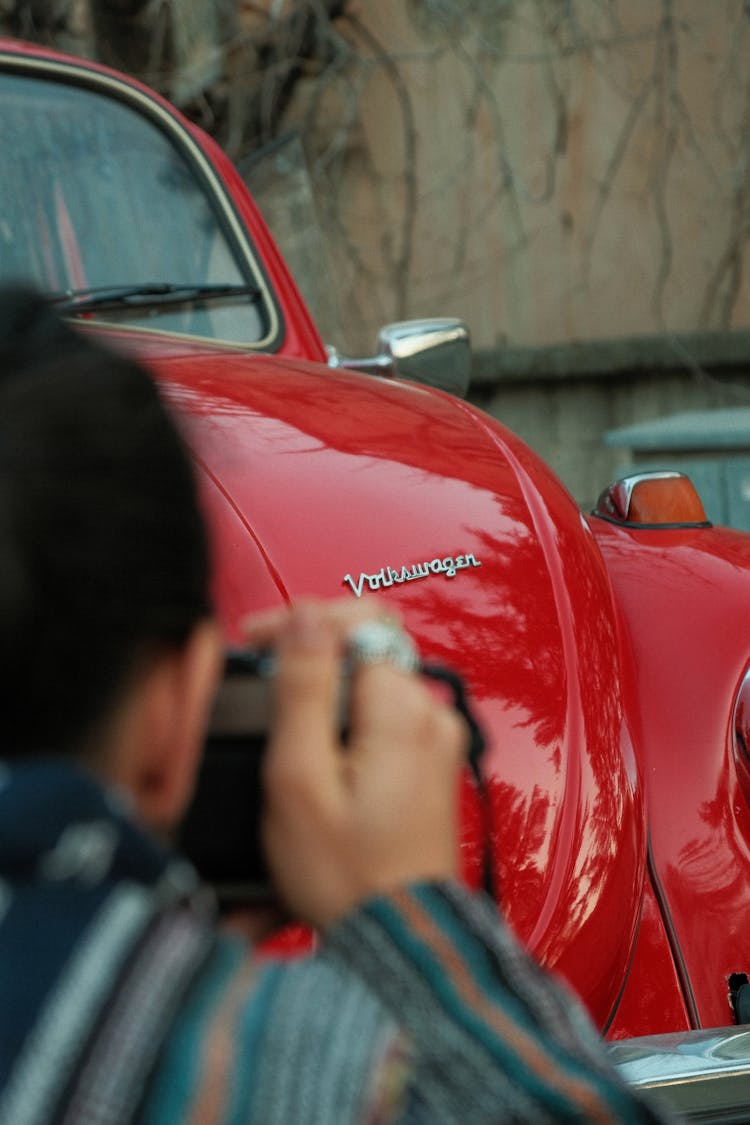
449,567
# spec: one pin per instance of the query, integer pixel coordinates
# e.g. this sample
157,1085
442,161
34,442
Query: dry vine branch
727,271
401,264
44,21
666,70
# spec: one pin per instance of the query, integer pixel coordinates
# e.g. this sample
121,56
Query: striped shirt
120,1001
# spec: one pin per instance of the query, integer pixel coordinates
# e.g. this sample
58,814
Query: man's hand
342,823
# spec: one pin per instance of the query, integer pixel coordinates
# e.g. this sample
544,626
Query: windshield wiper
148,295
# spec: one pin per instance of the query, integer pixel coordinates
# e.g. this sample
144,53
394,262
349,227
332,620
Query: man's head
103,557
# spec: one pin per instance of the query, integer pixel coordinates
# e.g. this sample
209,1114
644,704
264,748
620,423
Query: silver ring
377,642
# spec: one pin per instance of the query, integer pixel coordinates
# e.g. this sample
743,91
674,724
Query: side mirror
436,352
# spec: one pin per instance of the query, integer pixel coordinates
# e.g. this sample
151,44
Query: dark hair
102,547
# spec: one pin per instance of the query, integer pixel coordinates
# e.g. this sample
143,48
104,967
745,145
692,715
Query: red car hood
328,482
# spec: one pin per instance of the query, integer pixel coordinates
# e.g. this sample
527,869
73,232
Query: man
121,998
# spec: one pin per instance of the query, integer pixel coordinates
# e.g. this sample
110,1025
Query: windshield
94,194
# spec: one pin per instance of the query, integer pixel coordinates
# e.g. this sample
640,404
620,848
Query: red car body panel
603,662
421,478
684,597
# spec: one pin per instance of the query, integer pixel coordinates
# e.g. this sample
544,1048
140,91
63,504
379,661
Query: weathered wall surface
550,171
554,172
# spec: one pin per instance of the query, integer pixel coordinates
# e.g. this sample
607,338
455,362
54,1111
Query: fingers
310,640
302,751
261,629
303,787
344,822
387,703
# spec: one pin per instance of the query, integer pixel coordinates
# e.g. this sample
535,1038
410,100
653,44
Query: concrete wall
549,171
571,178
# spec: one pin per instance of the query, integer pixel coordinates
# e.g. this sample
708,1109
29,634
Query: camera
220,833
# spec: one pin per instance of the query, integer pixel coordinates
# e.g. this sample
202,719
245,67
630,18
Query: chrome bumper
704,1075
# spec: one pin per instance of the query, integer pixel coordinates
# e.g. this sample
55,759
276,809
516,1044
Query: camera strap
477,744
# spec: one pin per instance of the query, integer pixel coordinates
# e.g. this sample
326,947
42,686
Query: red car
606,655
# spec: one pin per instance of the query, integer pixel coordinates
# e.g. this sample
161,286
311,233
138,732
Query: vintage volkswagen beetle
606,655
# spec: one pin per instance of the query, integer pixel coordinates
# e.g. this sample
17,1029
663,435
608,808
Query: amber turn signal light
655,499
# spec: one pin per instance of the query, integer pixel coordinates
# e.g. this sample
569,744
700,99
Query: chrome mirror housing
436,352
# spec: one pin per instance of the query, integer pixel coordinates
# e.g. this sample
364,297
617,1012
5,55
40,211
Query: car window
93,193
